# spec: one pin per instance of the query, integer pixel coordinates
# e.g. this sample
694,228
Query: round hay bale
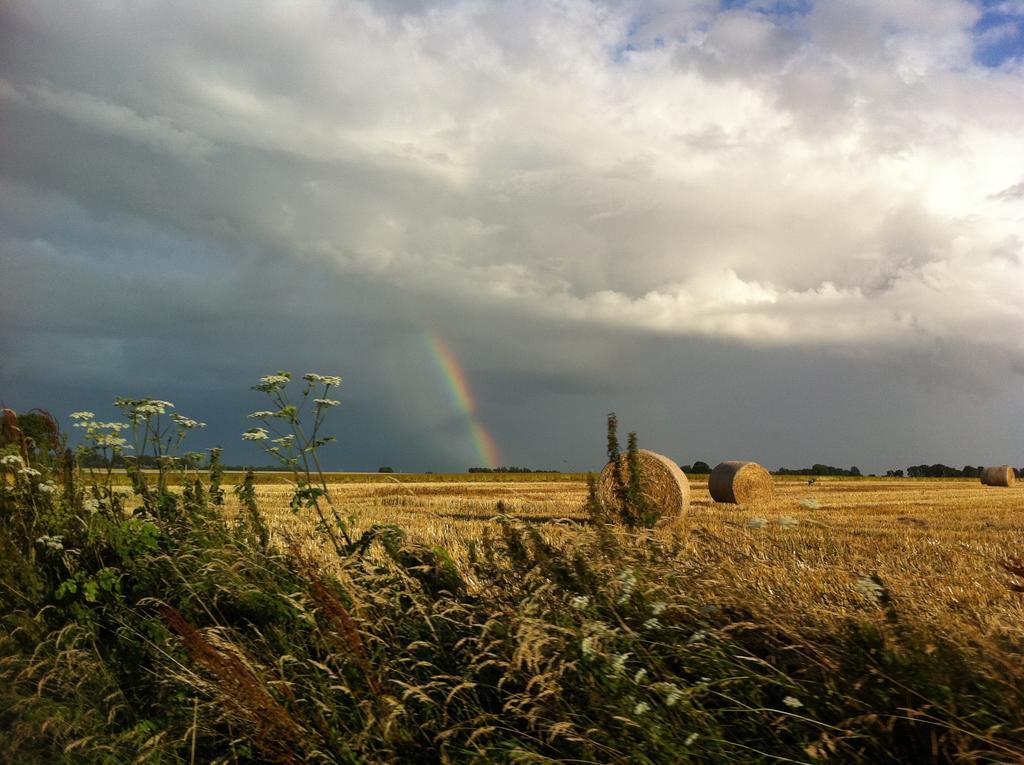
998,476
740,483
662,483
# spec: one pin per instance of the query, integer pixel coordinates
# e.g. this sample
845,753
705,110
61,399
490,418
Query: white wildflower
81,415
672,693
690,739
326,402
55,543
11,460
90,505
579,602
255,434
325,379
187,422
48,488
260,415
792,702
640,676
619,663
641,707
587,646
628,579
284,440
869,588
697,637
600,628
275,380
109,441
29,471
151,406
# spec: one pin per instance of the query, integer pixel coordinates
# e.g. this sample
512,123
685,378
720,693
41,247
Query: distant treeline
819,469
915,471
945,471
512,469
700,467
99,461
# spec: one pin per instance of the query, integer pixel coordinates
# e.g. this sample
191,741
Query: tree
35,433
385,469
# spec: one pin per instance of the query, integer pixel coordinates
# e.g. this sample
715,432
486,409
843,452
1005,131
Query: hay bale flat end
740,483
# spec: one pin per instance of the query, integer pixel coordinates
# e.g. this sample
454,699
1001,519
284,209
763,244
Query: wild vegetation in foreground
416,623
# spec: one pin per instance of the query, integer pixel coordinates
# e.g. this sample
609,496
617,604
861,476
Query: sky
782,231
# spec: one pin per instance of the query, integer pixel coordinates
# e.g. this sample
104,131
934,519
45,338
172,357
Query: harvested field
874,618
936,545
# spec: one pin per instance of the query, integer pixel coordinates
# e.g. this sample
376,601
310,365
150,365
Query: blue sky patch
999,33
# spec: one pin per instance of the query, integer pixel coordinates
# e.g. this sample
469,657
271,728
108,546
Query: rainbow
462,396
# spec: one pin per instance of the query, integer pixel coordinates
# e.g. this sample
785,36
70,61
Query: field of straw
856,621
934,548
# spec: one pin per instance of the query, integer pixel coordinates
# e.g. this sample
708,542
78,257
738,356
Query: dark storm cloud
599,206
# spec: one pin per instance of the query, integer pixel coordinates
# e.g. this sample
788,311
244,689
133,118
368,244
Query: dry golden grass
936,545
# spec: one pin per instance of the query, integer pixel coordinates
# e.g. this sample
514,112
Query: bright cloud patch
847,173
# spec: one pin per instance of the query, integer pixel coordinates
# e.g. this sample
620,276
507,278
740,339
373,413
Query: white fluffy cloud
844,174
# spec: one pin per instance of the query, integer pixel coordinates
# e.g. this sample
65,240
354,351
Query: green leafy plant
628,506
295,444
